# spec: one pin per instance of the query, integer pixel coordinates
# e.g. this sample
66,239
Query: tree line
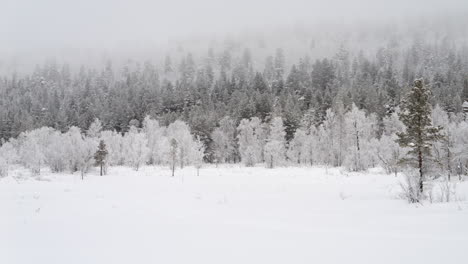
202,91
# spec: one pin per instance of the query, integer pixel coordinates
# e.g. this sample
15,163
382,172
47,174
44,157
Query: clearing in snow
229,214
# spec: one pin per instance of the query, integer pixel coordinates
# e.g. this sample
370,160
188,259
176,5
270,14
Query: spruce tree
465,91
173,154
419,134
100,156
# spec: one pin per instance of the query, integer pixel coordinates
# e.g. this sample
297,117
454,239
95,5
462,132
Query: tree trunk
449,168
420,162
101,168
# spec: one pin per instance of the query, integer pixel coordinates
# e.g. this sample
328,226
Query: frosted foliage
333,135
389,153
135,148
392,124
360,130
250,145
56,152
180,131
274,151
114,145
80,150
94,129
221,145
157,143
197,154
32,148
8,156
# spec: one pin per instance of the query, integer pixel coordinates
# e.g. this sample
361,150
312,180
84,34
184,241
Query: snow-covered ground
228,214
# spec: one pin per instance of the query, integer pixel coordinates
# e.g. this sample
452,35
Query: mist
82,31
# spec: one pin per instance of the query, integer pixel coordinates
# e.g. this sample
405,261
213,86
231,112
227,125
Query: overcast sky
33,28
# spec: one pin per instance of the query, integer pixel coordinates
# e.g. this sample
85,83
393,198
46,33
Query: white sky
32,27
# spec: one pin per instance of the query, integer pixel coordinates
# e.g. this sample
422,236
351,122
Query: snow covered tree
80,151
32,150
157,141
8,156
334,127
180,131
56,152
224,141
250,146
94,129
275,150
114,144
198,153
443,149
295,153
420,134
100,157
460,154
135,148
361,130
221,145
86,155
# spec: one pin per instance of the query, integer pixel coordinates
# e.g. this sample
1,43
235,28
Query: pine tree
465,91
100,156
173,154
419,134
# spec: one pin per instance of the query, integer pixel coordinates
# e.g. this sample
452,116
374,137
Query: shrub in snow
410,189
389,153
443,191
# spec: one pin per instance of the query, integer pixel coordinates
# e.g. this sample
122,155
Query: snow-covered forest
248,131
235,105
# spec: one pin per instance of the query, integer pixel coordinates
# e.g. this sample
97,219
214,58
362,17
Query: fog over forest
91,32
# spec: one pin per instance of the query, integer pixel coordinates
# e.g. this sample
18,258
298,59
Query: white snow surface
229,214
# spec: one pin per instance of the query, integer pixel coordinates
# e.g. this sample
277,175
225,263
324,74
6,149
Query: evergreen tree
173,154
420,134
100,157
464,96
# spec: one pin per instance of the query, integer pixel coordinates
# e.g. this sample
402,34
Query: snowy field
228,214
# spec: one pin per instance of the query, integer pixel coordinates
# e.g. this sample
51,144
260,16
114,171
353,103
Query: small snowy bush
410,190
443,192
